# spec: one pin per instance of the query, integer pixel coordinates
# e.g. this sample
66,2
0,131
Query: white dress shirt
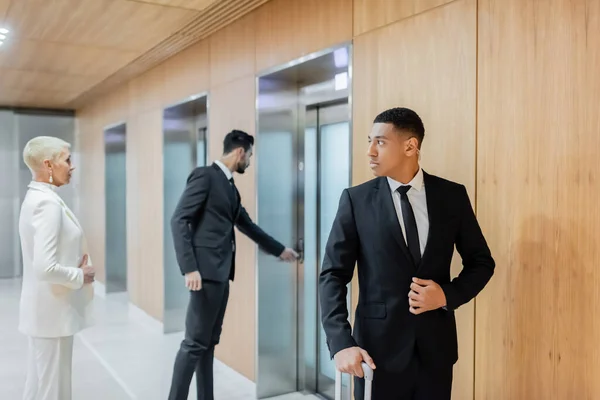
54,300
418,201
225,170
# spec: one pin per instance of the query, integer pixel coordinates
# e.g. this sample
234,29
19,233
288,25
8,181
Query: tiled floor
125,356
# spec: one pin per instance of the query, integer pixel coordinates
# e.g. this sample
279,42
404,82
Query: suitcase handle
368,373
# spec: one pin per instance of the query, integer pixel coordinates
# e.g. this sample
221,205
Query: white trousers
49,369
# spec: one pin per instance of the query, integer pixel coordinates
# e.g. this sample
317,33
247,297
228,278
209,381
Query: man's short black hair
236,139
404,120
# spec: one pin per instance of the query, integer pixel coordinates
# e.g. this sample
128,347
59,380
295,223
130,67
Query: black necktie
410,225
235,192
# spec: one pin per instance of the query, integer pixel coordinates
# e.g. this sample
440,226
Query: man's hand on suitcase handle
349,361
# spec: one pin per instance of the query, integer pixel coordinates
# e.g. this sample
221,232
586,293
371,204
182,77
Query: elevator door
10,262
304,165
116,209
326,174
184,148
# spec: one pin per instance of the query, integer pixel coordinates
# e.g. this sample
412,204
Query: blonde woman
57,293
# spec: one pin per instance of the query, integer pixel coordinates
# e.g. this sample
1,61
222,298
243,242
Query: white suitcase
368,372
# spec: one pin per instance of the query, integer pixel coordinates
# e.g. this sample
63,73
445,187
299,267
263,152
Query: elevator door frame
174,318
302,380
189,99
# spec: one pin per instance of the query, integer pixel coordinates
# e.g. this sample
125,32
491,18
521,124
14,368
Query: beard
241,168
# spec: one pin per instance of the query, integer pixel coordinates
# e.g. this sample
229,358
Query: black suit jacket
203,226
366,230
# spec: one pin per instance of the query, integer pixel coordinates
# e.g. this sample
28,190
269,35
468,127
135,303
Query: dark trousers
203,324
417,382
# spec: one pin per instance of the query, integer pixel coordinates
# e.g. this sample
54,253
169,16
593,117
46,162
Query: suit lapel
41,187
387,216
434,204
69,213
231,191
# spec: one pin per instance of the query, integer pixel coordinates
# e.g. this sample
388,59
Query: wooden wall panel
373,14
115,107
4,4
426,63
538,195
187,74
144,211
89,175
288,29
232,51
147,91
232,107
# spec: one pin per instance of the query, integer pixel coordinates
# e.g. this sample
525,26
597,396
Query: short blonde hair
42,148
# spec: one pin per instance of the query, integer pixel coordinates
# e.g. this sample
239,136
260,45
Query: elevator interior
115,153
184,148
304,163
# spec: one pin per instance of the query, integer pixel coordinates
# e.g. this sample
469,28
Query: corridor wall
538,191
508,91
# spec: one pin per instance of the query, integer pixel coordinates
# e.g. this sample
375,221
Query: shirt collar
225,170
416,183
42,186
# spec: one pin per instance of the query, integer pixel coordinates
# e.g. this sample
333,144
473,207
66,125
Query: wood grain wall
373,14
537,199
238,340
508,91
225,66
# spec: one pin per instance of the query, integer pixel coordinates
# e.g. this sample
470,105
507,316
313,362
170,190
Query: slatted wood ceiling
64,53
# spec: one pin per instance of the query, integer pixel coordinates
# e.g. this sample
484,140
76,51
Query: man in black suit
401,229
203,233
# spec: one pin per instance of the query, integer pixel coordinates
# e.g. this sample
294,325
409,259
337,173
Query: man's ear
412,144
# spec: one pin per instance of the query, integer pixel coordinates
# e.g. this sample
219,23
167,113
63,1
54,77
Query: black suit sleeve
245,224
340,258
478,264
190,205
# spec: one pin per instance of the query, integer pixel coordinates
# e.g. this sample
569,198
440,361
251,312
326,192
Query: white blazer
54,300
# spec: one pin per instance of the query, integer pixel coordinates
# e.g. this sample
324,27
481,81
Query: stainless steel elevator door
277,281
116,208
184,148
301,175
10,155
327,155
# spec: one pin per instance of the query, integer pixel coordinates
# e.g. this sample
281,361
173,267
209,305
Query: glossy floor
125,356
